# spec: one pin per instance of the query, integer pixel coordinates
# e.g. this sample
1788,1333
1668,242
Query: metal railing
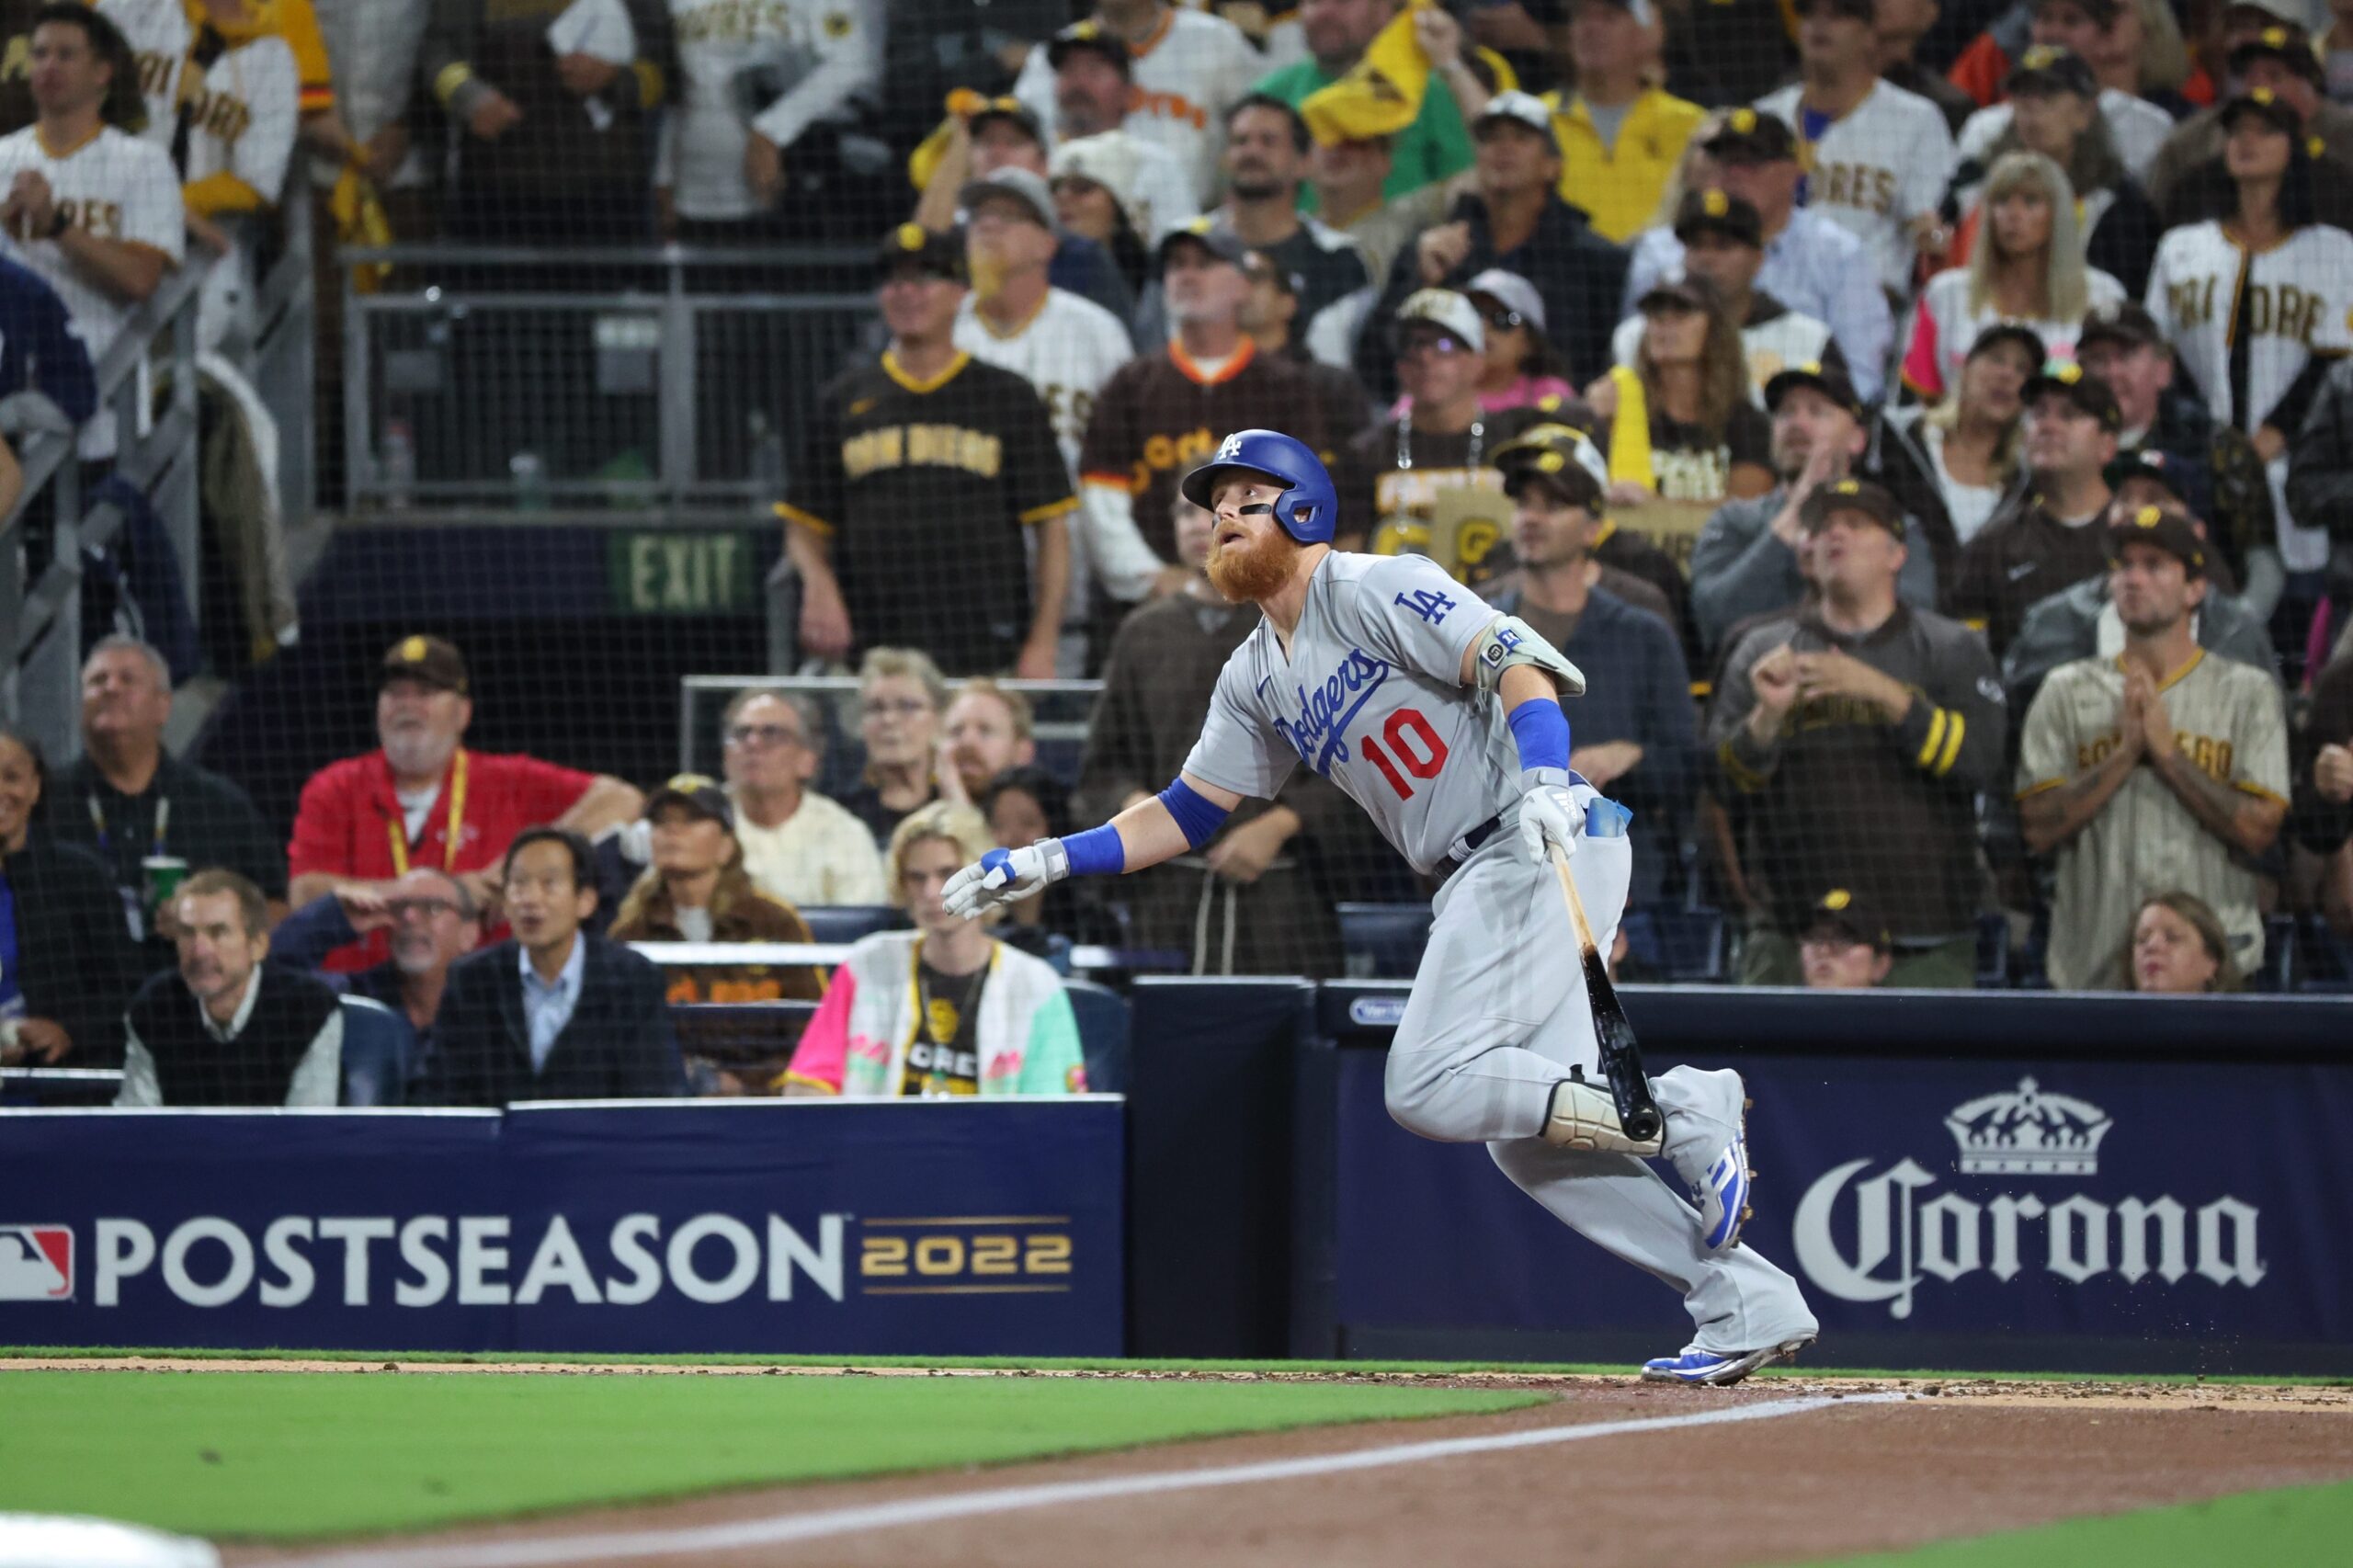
660,379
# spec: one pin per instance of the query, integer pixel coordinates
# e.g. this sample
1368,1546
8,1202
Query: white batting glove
1006,876
1549,813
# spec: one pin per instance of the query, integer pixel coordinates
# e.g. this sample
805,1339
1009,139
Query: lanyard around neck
396,829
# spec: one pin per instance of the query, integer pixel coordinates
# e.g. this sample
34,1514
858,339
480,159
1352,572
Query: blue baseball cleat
1717,1372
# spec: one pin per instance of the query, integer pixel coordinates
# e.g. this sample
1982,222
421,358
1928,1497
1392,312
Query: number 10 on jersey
1412,745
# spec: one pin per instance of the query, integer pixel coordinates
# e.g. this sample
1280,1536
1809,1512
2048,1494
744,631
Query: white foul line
778,1529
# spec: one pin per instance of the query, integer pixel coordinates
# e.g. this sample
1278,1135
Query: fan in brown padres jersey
911,515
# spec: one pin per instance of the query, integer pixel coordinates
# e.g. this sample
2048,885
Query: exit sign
681,572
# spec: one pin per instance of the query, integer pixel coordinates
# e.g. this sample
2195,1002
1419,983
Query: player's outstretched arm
1184,816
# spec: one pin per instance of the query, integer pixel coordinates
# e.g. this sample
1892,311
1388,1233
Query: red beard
1246,573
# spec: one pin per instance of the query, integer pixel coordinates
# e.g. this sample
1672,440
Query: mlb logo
36,1262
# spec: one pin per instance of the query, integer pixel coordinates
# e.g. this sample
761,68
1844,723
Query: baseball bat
1621,1054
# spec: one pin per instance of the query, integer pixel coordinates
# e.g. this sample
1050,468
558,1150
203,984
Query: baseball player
1442,718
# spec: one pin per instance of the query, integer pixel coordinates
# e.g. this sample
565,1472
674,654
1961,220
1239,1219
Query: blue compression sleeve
1542,731
1098,852
1199,818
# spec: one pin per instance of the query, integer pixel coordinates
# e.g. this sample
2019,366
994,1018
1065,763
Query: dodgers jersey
1370,698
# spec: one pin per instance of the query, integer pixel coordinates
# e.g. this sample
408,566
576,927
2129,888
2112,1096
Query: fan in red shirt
421,799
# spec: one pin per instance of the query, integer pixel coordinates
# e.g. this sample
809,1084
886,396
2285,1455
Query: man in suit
553,1013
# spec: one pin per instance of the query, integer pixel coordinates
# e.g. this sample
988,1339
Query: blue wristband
1098,852
1198,816
1542,731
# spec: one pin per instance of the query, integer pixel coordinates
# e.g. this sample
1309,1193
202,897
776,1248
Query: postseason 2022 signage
810,1226
2102,1215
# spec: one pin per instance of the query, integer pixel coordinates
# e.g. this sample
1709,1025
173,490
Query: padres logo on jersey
1162,453
103,219
1863,186
922,445
2273,310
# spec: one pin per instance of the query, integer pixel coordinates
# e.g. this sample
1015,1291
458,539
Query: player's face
20,792
1201,289
419,725
1001,144
121,698
1723,261
1261,160
2021,222
1806,422
2050,123
1992,383
896,721
2169,955
544,904
925,866
2255,149
2063,440
1545,530
1085,208
1437,367
1090,96
1605,39
2153,590
1674,334
1194,527
919,307
67,73
766,747
686,843
216,952
2068,25
2137,373
1836,961
982,739
1515,158
1250,555
1830,39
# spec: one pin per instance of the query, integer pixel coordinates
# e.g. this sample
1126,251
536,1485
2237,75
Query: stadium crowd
1930,431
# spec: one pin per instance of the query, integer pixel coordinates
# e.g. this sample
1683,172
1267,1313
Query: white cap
1111,160
1526,108
1512,291
1443,308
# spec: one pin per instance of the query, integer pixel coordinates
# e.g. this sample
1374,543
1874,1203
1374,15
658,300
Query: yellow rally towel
1381,94
1630,431
360,221
924,162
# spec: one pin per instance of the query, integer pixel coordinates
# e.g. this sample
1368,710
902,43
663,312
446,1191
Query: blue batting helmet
1310,508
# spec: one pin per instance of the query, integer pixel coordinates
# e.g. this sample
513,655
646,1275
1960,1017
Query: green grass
2295,1525
286,1454
1805,1369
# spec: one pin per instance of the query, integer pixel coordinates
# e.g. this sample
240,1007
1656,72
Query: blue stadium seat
1102,1034
848,921
1383,941
1683,946
1992,951
2279,969
377,1047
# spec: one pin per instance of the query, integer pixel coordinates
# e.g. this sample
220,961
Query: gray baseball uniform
1371,695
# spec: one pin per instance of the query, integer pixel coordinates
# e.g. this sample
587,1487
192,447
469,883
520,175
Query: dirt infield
1829,1466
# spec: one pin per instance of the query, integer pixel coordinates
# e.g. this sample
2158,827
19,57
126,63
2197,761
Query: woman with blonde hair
1682,426
945,1009
2026,269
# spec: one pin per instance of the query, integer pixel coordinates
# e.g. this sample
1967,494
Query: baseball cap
1092,36
2268,106
1851,495
1523,108
1845,910
697,793
2167,529
1719,212
1691,293
1024,186
1748,137
1512,291
1831,380
1559,456
1441,308
2291,46
2008,332
2125,321
1221,242
2079,387
2047,68
2146,463
428,659
942,256
1008,108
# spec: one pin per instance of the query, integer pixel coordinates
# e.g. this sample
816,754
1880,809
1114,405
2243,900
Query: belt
1472,840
